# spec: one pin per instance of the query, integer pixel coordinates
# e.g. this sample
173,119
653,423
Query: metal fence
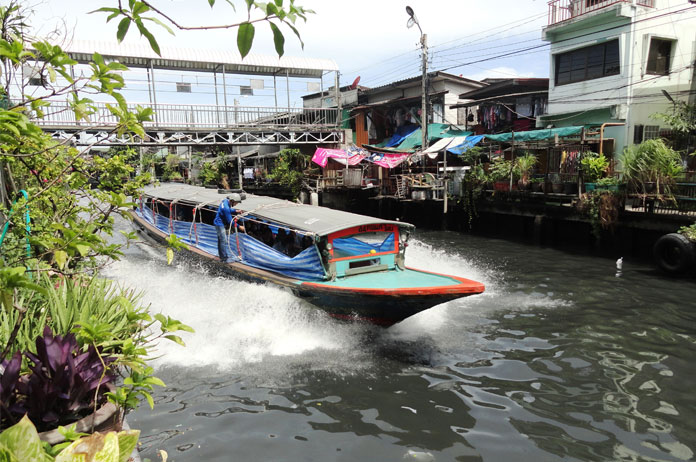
180,116
563,10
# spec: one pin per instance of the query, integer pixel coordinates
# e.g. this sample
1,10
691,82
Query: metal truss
88,137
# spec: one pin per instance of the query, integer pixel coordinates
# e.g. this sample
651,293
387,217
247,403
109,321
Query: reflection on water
560,359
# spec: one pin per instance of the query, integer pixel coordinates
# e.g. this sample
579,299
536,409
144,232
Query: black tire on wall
674,253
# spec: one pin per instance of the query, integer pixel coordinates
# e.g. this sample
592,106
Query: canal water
564,358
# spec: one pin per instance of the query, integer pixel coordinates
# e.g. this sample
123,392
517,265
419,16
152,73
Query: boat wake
265,330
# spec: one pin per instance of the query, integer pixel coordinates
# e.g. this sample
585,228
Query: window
588,63
590,3
651,132
659,56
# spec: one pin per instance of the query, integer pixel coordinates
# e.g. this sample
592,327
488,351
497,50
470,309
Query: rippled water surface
562,358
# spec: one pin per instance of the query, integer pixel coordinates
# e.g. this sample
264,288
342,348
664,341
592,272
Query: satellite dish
355,83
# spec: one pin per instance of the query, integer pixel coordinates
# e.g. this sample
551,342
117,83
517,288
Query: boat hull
380,306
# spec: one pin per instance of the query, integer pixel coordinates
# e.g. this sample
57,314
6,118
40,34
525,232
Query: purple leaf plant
60,387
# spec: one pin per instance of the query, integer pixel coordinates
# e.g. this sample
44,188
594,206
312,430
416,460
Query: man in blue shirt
223,218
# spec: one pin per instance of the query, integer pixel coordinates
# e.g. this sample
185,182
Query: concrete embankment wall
541,224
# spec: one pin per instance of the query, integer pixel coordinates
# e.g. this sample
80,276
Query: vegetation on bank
71,340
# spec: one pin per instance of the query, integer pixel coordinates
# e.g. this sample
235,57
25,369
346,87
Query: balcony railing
196,117
563,10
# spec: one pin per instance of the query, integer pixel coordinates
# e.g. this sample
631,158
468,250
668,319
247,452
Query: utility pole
424,90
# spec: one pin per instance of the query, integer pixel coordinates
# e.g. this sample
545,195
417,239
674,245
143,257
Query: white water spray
244,325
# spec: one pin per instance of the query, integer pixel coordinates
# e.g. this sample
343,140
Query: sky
366,38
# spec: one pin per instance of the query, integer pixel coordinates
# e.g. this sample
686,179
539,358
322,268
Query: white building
619,61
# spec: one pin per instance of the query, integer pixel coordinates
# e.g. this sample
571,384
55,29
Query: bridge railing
192,117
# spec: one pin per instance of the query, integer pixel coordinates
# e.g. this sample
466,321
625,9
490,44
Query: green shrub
593,166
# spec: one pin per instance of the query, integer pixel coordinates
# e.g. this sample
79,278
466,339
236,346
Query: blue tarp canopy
536,135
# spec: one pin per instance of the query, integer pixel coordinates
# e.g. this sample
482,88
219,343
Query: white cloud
501,73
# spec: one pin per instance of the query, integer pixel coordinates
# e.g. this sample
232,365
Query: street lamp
424,55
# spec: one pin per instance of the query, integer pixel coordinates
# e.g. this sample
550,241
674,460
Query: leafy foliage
501,170
62,383
525,165
593,166
274,13
21,443
652,161
288,169
689,232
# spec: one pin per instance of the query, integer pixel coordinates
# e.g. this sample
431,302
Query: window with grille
588,63
659,56
651,132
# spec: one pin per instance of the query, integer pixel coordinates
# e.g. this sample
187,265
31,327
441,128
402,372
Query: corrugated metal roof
439,75
319,220
190,59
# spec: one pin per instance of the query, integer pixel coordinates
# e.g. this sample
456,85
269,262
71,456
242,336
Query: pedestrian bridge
198,124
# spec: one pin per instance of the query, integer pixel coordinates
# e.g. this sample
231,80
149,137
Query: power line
650,18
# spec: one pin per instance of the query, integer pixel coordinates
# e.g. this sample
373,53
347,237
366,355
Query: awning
414,140
536,135
388,160
351,156
468,143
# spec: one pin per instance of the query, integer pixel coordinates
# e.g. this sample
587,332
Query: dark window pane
595,62
588,63
659,56
578,65
563,68
612,64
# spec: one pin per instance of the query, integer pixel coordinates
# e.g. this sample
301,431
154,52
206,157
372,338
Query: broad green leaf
211,3
6,455
175,339
245,37
22,440
297,33
170,256
155,381
127,441
150,38
82,249
278,39
60,257
110,450
123,29
157,21
104,448
149,399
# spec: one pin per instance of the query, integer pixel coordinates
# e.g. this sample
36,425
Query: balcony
565,10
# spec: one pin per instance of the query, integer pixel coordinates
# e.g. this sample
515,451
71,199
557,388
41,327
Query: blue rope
27,219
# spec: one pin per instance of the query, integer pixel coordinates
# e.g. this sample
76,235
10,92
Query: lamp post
424,56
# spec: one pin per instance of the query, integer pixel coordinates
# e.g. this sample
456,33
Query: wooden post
444,191
512,158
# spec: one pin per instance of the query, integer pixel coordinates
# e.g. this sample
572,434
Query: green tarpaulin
535,135
413,141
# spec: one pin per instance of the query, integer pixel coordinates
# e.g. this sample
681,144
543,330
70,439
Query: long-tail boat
352,266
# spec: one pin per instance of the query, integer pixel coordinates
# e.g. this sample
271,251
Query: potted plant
525,166
536,184
651,167
610,183
500,171
593,167
556,183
